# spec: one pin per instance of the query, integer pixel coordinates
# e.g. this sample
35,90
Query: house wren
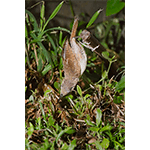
74,62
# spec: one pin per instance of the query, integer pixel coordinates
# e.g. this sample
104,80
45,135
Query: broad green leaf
121,84
114,6
30,129
106,128
98,146
105,54
47,91
51,121
98,117
64,146
71,131
94,129
93,18
72,145
56,85
105,143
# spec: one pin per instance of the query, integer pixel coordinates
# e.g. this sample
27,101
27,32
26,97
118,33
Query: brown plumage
74,62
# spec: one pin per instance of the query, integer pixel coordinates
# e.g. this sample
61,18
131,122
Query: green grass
93,115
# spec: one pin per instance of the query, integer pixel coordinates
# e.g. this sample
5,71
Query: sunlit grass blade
56,10
93,18
53,14
79,90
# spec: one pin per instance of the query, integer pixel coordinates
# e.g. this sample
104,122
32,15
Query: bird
74,61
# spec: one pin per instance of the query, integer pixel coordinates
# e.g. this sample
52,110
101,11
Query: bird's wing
71,66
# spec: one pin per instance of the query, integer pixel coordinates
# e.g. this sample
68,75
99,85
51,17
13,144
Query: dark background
65,16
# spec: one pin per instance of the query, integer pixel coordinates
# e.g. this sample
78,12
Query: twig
115,104
119,109
93,44
73,105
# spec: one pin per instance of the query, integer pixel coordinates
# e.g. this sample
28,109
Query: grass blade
93,18
46,69
33,19
98,117
56,10
42,110
53,14
57,28
62,132
42,19
121,84
79,90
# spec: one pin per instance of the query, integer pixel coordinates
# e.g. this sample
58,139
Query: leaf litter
63,112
